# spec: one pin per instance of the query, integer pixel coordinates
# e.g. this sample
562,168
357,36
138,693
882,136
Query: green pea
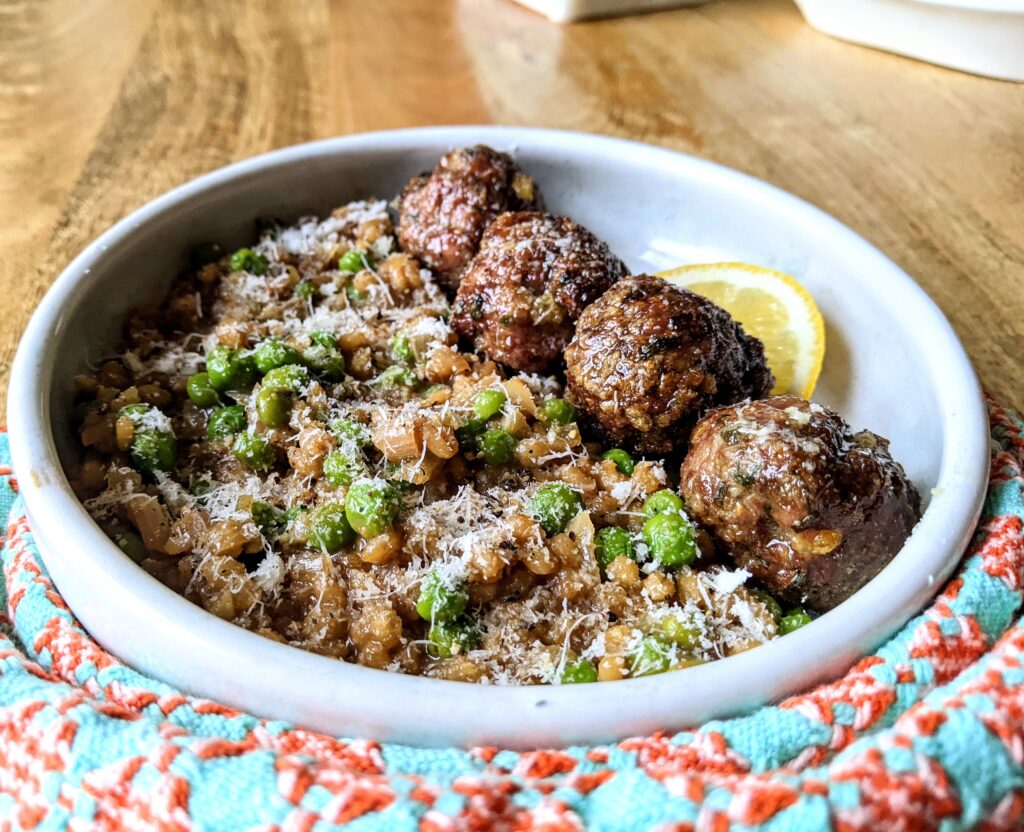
468,435
269,520
273,407
623,461
497,447
153,447
396,376
488,403
612,542
323,339
450,638
297,525
662,502
201,391
292,514
133,411
402,350
340,469
372,507
254,450
289,378
247,260
154,450
353,294
442,597
557,412
769,602
578,672
554,505
131,544
274,353
325,361
304,290
672,540
352,261
348,430
681,631
330,528
651,655
226,421
230,369
793,620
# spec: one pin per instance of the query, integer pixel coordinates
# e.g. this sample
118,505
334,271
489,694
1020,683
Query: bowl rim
400,707
982,6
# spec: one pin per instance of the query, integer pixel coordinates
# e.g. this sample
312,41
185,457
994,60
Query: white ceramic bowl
985,37
893,365
568,11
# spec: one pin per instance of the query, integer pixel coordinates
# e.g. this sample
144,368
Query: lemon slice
771,306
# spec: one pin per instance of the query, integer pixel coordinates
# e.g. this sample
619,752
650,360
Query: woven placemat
926,733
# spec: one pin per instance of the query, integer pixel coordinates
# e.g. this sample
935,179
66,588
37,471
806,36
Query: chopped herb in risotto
297,441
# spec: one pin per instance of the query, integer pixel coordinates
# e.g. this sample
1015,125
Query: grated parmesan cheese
465,530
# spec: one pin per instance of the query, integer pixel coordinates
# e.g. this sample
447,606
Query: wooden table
106,104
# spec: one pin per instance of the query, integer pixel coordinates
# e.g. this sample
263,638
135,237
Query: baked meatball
811,509
442,216
535,273
648,359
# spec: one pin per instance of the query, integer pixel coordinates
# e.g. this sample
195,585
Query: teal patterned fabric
926,733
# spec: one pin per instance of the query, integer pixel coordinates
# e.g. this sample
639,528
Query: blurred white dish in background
567,11
985,37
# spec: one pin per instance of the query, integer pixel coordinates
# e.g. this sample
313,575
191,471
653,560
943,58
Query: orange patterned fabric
927,733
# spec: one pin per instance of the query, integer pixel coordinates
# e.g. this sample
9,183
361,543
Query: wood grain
104,105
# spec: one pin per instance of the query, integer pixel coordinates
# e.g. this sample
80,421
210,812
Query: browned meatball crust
648,359
811,509
533,277
442,216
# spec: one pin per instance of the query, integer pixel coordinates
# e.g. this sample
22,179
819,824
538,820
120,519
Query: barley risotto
297,441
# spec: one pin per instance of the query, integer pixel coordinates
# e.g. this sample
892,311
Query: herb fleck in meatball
648,359
443,215
813,510
535,273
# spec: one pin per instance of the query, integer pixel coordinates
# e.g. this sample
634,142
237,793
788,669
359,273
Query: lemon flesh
771,306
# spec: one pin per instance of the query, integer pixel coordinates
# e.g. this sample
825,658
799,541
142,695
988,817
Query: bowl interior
892,365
